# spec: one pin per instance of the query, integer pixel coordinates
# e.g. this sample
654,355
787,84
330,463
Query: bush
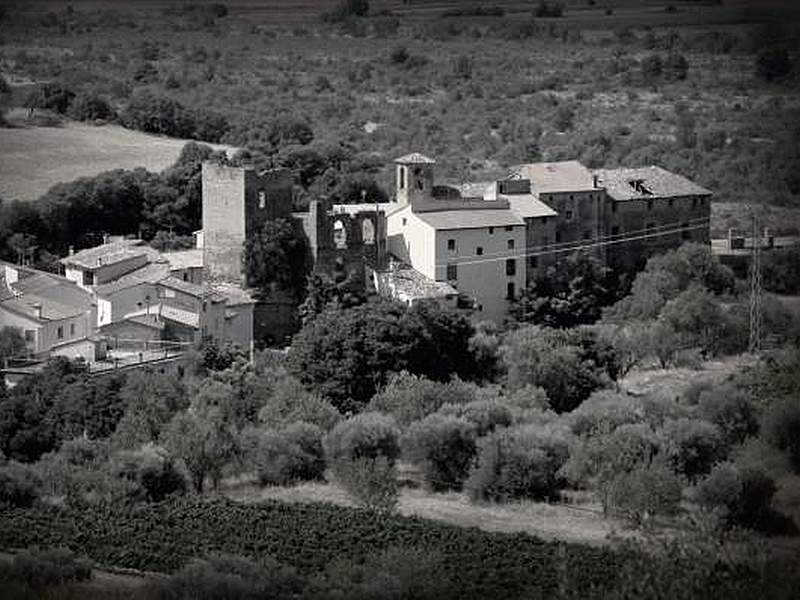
368,435
291,402
88,107
604,411
518,462
410,397
19,485
730,409
781,427
372,482
288,456
650,488
444,446
47,567
225,577
742,496
51,96
151,472
484,415
693,446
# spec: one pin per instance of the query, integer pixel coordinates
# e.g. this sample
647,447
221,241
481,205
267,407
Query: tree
535,355
276,259
651,488
88,107
347,354
570,295
11,342
51,96
444,446
518,462
781,427
693,446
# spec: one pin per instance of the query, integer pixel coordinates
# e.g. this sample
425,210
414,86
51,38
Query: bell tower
414,178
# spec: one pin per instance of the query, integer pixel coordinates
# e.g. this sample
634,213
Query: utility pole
756,313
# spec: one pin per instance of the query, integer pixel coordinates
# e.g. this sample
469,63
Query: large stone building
489,240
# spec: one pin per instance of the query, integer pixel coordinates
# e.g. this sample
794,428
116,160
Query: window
402,182
339,235
262,199
71,329
511,266
510,244
88,278
569,215
545,240
185,276
452,272
544,220
671,202
491,230
571,197
649,205
479,250
613,207
205,305
60,333
533,262
30,336
405,221
558,237
694,202
587,234
367,231
685,235
510,291
509,228
650,226
451,245
615,230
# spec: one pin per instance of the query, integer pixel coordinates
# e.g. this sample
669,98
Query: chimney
37,311
105,238
71,250
595,180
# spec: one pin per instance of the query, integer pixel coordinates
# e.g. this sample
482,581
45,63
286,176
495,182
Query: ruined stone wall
538,233
580,219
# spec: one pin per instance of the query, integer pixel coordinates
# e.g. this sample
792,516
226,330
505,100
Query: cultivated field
33,159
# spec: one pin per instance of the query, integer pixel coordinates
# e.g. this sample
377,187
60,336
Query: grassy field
33,159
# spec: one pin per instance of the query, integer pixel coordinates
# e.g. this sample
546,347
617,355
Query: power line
574,244
579,246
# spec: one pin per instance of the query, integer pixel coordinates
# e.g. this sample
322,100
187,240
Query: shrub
19,485
742,495
650,488
730,409
444,446
151,472
781,427
410,397
372,482
291,402
47,567
368,435
484,415
225,577
518,462
604,411
288,456
692,445
52,96
88,107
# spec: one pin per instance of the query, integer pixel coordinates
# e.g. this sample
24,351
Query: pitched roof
52,310
529,206
150,273
57,297
109,254
415,158
407,284
647,182
191,289
563,176
470,218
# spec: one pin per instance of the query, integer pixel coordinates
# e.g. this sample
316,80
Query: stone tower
414,178
236,203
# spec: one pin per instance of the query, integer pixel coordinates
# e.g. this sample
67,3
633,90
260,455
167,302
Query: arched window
339,235
368,231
